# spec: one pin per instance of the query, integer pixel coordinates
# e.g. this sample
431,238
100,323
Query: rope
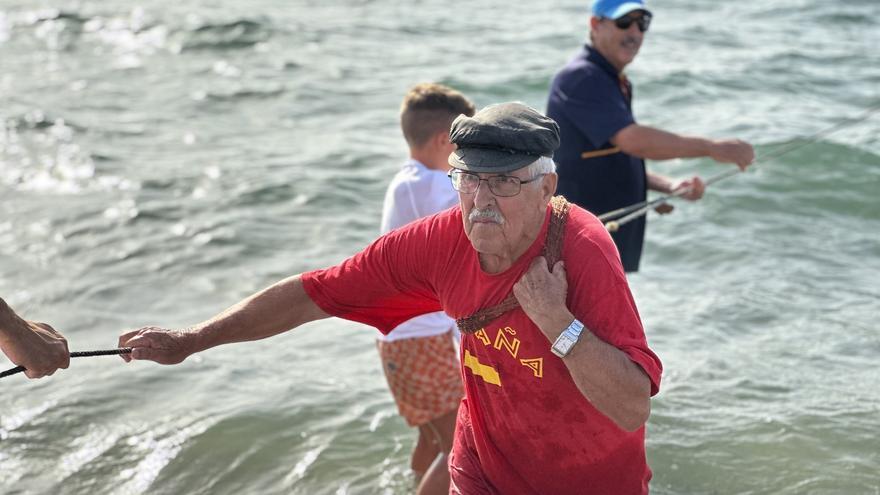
614,219
108,352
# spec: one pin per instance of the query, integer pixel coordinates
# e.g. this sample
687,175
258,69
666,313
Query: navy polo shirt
587,102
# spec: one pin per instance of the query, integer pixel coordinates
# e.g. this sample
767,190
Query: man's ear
548,185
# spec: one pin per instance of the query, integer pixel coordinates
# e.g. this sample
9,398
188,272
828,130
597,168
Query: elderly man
36,346
557,372
601,159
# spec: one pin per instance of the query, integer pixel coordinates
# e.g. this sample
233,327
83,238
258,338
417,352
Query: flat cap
502,138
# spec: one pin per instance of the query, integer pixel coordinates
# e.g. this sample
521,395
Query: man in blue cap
602,152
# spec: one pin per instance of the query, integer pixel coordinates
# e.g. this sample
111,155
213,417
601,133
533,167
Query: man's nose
483,196
633,30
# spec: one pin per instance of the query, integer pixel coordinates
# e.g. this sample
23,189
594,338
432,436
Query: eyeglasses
499,185
643,21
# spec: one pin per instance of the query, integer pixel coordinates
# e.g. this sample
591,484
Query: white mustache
488,214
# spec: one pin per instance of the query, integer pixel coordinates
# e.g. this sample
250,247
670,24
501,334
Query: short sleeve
382,286
615,320
595,105
599,296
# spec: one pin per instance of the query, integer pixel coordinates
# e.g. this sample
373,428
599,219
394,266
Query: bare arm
276,309
36,346
604,374
656,144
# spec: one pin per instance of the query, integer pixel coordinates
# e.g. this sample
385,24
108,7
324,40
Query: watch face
563,344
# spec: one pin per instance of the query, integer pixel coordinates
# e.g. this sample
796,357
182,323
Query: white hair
543,165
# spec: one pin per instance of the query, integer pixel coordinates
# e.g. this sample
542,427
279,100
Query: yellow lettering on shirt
537,366
503,340
484,338
487,373
512,346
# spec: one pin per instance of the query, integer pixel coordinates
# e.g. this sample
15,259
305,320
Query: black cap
502,138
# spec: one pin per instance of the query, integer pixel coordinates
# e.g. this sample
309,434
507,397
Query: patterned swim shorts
424,376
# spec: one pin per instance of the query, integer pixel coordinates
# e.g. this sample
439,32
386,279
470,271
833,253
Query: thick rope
108,352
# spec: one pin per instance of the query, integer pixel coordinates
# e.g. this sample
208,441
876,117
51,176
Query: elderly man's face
502,228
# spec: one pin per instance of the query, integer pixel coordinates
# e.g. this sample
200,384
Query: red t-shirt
533,431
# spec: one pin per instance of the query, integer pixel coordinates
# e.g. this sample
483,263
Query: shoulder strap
552,251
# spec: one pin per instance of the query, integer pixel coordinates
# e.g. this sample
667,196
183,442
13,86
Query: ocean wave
40,154
240,93
136,30
242,33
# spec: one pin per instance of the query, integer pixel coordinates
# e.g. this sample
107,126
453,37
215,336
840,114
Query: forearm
660,183
10,322
604,374
614,384
5,313
276,309
656,144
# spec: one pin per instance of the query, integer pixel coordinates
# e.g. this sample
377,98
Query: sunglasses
643,21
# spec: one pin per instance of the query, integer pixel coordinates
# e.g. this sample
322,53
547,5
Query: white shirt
415,192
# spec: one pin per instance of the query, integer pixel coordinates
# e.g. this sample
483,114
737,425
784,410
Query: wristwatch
567,339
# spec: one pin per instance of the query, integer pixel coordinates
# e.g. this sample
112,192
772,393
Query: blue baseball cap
615,9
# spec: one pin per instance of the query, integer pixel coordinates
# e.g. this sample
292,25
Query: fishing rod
108,352
616,218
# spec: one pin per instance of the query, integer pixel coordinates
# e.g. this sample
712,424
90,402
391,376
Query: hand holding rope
613,220
108,352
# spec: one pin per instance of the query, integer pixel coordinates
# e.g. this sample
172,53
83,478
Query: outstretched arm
36,346
276,309
655,144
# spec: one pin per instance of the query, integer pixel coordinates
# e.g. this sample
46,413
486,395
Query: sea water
161,160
